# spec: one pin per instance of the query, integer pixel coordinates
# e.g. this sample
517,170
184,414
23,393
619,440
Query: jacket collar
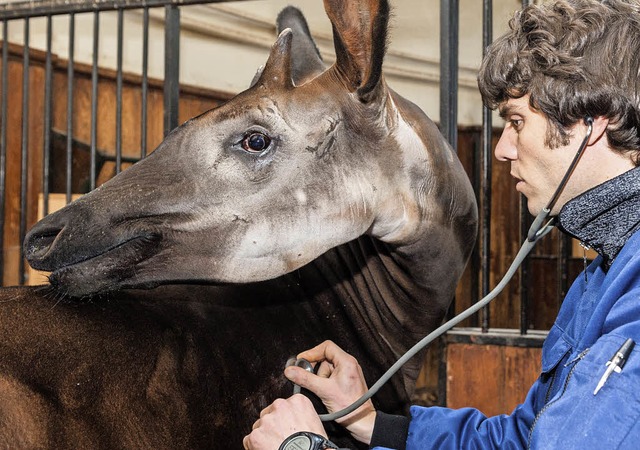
604,217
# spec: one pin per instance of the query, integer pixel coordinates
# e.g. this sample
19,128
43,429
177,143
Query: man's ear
600,125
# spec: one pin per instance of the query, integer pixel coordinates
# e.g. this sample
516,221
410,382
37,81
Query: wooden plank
192,103
11,231
521,369
491,378
427,386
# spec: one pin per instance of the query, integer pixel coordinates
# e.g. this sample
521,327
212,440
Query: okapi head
306,159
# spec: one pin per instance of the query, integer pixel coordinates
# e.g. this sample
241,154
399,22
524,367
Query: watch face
298,443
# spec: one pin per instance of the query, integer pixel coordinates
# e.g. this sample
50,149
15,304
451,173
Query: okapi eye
256,142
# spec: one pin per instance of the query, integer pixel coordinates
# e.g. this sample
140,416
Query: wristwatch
305,440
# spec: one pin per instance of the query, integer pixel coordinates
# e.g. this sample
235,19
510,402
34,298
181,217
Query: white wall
223,44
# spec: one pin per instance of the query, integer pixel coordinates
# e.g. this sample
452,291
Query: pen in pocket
616,363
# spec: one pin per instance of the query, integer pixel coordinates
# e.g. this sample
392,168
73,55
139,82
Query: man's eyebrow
506,110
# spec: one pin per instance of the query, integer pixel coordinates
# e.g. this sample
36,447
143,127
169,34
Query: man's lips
519,182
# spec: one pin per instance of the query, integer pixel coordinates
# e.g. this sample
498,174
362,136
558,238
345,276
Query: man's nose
505,148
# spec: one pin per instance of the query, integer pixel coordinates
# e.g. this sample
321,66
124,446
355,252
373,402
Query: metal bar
119,92
171,67
441,348
562,268
24,157
29,8
70,83
94,99
3,138
497,336
124,159
449,18
525,221
487,153
145,82
46,151
475,262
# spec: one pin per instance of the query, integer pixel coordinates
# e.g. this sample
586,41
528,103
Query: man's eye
256,142
516,124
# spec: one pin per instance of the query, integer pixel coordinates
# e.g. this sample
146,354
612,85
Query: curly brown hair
575,58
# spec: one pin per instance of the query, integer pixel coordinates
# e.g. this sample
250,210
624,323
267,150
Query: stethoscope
541,225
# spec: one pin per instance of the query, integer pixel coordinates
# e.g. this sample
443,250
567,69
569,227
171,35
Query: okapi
318,204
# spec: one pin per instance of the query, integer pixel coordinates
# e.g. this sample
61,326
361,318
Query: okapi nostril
38,245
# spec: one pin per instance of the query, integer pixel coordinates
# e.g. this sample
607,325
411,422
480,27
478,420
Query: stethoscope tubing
539,228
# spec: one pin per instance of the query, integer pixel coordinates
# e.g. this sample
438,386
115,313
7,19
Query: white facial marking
301,196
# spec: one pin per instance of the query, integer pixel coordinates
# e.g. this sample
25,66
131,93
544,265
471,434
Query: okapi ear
360,39
277,71
306,62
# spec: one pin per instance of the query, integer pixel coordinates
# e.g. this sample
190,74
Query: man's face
537,168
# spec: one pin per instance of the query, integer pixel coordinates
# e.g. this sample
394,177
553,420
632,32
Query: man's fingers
266,410
325,369
326,351
307,380
316,353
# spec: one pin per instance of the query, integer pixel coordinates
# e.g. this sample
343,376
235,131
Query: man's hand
339,382
280,420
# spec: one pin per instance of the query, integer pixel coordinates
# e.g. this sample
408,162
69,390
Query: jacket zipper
574,361
547,396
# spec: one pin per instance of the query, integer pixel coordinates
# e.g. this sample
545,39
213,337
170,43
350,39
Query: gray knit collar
605,217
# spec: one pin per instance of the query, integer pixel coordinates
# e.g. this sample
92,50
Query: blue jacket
597,316
560,410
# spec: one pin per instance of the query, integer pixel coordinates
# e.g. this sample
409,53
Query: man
561,63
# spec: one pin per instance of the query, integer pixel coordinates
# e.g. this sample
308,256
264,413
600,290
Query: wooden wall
193,101
14,160
491,378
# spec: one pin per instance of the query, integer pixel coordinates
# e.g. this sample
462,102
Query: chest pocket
593,366
555,351
579,419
